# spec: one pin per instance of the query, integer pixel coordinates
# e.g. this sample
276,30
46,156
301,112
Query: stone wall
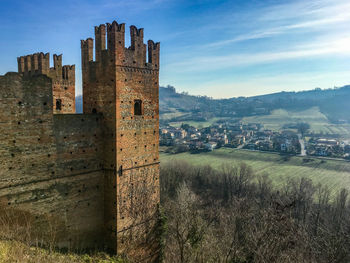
50,164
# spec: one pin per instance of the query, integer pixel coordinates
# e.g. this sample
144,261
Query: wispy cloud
302,9
207,63
282,19
269,32
308,29
243,37
202,41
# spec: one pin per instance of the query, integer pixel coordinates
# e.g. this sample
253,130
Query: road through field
302,145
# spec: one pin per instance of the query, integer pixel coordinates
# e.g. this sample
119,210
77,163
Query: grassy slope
335,174
318,121
12,251
174,114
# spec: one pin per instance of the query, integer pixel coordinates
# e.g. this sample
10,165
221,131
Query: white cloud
244,37
301,9
269,32
300,30
296,17
314,49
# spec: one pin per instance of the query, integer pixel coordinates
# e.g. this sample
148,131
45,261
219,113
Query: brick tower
122,86
63,78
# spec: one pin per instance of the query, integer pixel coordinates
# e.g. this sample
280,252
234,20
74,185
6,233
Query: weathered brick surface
63,78
50,164
96,173
111,84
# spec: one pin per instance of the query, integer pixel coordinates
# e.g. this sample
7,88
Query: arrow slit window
138,107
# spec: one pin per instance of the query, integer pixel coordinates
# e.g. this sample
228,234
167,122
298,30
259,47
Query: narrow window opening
137,107
58,104
94,111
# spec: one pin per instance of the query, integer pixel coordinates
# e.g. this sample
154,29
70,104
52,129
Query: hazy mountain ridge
334,103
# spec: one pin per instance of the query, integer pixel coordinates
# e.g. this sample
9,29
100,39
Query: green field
319,123
173,113
335,174
197,124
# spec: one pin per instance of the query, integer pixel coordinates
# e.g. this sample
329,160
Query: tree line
233,215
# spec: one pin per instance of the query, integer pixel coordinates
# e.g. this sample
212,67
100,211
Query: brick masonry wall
65,91
50,164
111,84
96,173
63,78
137,154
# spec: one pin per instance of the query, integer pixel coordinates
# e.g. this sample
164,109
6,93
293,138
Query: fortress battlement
63,78
110,48
39,63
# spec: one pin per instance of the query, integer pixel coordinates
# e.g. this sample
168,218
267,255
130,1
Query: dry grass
13,251
25,238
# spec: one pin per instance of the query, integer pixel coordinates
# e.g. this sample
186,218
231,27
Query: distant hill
174,106
334,103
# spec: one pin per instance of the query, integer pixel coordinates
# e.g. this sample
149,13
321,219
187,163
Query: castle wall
112,84
64,91
50,165
137,154
63,78
96,174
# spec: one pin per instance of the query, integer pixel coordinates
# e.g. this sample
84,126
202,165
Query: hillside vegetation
233,215
202,110
332,103
281,168
279,119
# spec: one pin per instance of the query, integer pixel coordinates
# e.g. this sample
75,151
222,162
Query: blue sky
215,48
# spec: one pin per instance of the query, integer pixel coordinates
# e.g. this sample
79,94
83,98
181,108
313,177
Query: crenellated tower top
63,78
39,63
113,50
